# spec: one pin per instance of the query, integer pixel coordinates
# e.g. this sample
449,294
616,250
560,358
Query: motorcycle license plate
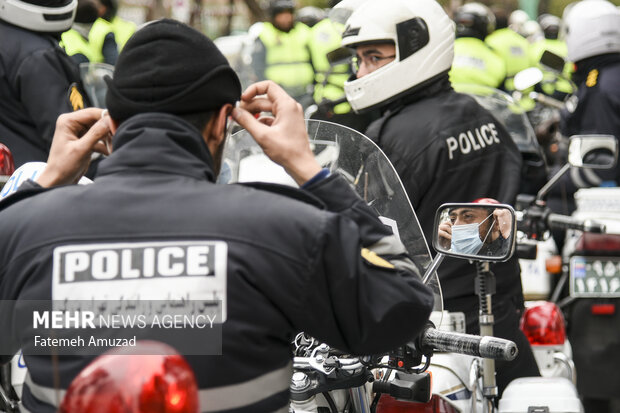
595,277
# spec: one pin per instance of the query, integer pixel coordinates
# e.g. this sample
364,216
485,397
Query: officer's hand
503,221
78,134
445,234
283,138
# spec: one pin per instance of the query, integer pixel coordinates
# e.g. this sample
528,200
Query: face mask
466,238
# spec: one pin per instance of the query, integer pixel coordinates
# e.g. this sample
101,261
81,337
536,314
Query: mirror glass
593,151
527,78
476,231
552,61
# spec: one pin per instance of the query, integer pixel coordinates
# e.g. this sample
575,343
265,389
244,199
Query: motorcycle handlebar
557,221
486,347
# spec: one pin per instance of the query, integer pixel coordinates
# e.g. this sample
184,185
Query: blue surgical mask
466,238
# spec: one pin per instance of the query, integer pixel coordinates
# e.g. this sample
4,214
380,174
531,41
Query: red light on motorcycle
603,309
589,242
543,324
553,264
151,377
388,404
7,166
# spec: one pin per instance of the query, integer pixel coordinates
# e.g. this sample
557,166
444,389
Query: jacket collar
159,142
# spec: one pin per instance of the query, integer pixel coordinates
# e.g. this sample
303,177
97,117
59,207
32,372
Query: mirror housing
492,239
552,61
527,78
593,151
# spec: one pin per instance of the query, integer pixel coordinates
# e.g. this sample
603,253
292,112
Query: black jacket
597,112
36,86
447,148
290,265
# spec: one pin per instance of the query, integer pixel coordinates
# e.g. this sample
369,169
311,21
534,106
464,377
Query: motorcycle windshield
360,162
512,116
92,75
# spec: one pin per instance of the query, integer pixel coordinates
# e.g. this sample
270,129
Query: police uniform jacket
293,261
38,82
597,111
447,148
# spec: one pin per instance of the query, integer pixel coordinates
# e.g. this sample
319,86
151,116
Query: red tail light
388,404
603,309
543,324
7,166
150,377
601,243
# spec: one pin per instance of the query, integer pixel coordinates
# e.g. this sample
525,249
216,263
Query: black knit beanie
169,67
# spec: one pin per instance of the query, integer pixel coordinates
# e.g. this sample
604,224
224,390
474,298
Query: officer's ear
215,131
112,124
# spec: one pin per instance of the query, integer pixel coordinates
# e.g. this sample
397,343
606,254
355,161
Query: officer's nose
362,71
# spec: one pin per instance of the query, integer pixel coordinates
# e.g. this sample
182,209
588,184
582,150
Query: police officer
552,85
123,29
38,80
316,259
444,146
513,48
91,38
474,61
281,52
593,42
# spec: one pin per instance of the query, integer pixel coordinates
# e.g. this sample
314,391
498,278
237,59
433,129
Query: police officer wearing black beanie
154,225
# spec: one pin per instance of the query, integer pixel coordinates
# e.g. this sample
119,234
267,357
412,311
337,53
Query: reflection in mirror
527,78
593,151
483,231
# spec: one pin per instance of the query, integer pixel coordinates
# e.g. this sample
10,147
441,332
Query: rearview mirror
527,78
593,151
476,231
552,61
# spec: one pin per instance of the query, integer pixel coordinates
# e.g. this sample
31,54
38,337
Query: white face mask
466,238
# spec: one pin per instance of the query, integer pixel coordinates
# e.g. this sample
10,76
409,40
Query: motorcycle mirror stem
580,147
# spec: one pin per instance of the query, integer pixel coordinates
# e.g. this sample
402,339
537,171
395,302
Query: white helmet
341,12
592,28
423,36
517,19
53,16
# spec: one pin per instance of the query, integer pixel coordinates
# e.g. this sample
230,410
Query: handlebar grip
557,221
486,347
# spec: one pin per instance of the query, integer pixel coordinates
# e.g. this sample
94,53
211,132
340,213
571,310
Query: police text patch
191,270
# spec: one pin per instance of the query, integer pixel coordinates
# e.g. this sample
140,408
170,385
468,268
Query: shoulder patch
75,97
376,260
592,78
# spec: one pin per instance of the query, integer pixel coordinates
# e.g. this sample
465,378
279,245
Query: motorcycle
327,380
588,288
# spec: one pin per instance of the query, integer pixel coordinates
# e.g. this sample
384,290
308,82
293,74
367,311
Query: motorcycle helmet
516,20
532,31
310,15
550,25
592,28
423,36
51,16
474,20
341,11
279,6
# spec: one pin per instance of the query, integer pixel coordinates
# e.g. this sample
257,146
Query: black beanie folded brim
171,68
